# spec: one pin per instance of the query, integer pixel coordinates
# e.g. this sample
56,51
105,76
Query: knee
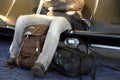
61,21
21,19
59,25
21,22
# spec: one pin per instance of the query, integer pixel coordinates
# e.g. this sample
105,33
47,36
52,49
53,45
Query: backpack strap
36,29
93,72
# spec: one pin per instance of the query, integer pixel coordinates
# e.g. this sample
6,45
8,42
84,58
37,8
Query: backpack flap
33,40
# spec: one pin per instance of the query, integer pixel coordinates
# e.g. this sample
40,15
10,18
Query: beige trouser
57,25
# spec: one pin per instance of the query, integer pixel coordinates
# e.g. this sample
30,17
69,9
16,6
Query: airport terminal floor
102,73
97,10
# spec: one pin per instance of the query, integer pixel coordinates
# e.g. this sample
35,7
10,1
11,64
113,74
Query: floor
102,73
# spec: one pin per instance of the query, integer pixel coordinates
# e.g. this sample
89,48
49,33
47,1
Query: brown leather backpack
33,40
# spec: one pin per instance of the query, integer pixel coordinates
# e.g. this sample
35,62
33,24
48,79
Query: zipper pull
37,44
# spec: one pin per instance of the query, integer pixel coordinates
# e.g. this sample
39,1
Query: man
61,15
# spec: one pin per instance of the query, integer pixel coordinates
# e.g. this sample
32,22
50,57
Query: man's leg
21,24
57,26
